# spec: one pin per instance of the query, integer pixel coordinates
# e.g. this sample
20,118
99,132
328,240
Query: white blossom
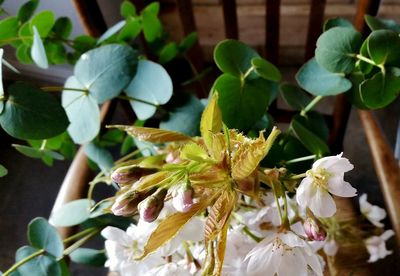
325,178
376,246
283,254
373,213
331,247
168,269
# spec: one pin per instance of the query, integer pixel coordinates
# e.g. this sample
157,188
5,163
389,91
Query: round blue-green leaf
72,213
44,236
42,265
88,256
364,67
337,22
266,69
111,31
294,96
234,57
30,113
3,171
185,116
151,84
44,22
100,156
383,47
105,71
38,52
375,23
243,103
336,49
320,82
62,27
381,90
26,11
8,29
83,112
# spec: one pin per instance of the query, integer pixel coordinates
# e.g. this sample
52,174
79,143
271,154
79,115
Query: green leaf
30,113
242,103
8,29
64,268
88,256
84,43
62,27
72,213
82,111
364,67
128,9
337,22
131,30
211,121
383,47
169,52
195,152
185,116
354,94
1,81
111,31
100,156
314,122
152,27
127,144
311,141
375,23
151,84
266,70
188,42
3,171
234,57
25,34
112,137
38,52
153,135
56,52
44,22
42,265
318,81
336,49
44,236
23,54
26,11
381,90
28,151
294,96
105,71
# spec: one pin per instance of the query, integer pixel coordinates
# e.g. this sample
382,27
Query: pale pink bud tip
313,231
183,200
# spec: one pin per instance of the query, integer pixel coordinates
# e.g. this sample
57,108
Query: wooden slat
272,30
90,15
386,167
315,21
230,19
364,7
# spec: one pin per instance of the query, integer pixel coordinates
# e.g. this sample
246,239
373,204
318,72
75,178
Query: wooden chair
387,169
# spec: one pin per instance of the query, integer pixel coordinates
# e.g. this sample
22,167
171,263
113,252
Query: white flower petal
117,235
322,204
373,213
305,192
331,248
293,263
334,164
387,234
339,187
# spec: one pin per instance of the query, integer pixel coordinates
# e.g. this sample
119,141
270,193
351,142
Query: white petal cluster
373,213
376,246
325,178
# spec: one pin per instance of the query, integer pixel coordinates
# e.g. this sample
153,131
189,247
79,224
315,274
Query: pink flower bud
128,174
313,231
183,199
173,157
150,208
126,204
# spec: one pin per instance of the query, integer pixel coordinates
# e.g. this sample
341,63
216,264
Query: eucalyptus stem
277,202
311,105
126,157
80,242
247,231
300,159
286,222
61,88
365,59
248,72
79,234
43,145
297,176
128,98
23,261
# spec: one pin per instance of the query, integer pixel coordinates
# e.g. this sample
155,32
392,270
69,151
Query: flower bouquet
215,188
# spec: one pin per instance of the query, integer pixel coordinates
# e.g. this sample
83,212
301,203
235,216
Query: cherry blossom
373,213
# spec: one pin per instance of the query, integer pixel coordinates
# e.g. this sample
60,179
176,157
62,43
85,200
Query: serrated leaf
42,265
336,49
217,148
169,227
320,82
375,23
44,236
150,181
220,249
111,31
82,110
153,135
151,84
71,213
211,120
294,96
250,153
88,256
195,152
266,69
38,53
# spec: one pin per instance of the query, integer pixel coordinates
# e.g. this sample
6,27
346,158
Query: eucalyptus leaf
8,29
314,122
151,84
23,54
188,42
72,213
234,57
354,94
128,9
318,81
26,11
337,22
25,34
82,111
185,116
294,96
29,151
266,70
38,52
62,27
375,23
169,52
111,31
30,113
383,47
336,49
88,256
381,90
55,52
44,22
152,27
365,67
242,103
3,171
310,140
44,236
42,265
84,43
131,29
100,156
1,77
106,70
